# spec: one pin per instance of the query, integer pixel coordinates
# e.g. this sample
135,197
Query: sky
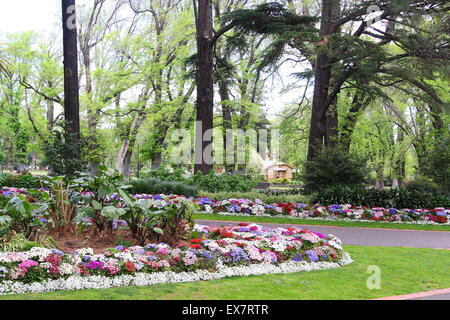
26,15
44,16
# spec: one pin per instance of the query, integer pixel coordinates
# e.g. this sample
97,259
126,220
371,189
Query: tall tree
205,87
71,84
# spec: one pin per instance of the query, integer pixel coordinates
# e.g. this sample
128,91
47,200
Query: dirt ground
71,242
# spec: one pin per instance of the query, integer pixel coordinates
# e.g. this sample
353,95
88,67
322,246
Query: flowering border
147,279
233,214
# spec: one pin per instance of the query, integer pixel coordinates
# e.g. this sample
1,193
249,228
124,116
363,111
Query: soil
71,242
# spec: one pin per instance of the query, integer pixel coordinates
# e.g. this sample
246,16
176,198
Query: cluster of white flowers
146,279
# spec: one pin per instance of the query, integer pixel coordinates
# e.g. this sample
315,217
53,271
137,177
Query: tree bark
318,129
123,160
205,87
50,115
349,123
71,85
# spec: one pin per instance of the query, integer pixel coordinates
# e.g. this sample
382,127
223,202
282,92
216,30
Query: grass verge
403,271
310,222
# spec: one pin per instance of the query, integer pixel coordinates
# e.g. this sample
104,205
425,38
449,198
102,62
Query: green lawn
403,270
323,222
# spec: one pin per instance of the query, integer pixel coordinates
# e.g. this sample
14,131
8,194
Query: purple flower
312,255
207,255
297,257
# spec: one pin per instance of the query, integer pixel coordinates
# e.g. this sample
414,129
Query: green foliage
176,221
280,181
387,198
147,222
26,216
2,157
334,168
140,216
264,197
27,181
165,174
275,20
155,186
213,182
5,225
62,152
13,243
421,184
437,161
120,241
98,203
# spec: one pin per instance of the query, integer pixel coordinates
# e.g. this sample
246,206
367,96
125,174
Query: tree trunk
349,123
399,166
50,115
156,161
205,87
121,162
318,128
71,85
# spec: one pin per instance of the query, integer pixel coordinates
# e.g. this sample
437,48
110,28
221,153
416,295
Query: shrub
213,182
26,180
98,203
280,181
62,153
61,206
165,175
169,225
421,184
436,162
27,218
13,242
334,168
155,186
387,198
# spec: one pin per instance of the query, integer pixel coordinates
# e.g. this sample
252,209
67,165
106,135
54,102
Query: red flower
196,240
130,267
243,224
195,246
226,234
53,259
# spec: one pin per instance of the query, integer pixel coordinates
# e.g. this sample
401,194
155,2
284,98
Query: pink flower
25,265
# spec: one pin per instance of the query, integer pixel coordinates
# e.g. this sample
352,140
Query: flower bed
244,207
216,252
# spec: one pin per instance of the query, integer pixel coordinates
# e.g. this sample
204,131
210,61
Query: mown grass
403,271
279,220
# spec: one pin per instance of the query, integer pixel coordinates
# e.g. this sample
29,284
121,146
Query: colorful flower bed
246,207
215,252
